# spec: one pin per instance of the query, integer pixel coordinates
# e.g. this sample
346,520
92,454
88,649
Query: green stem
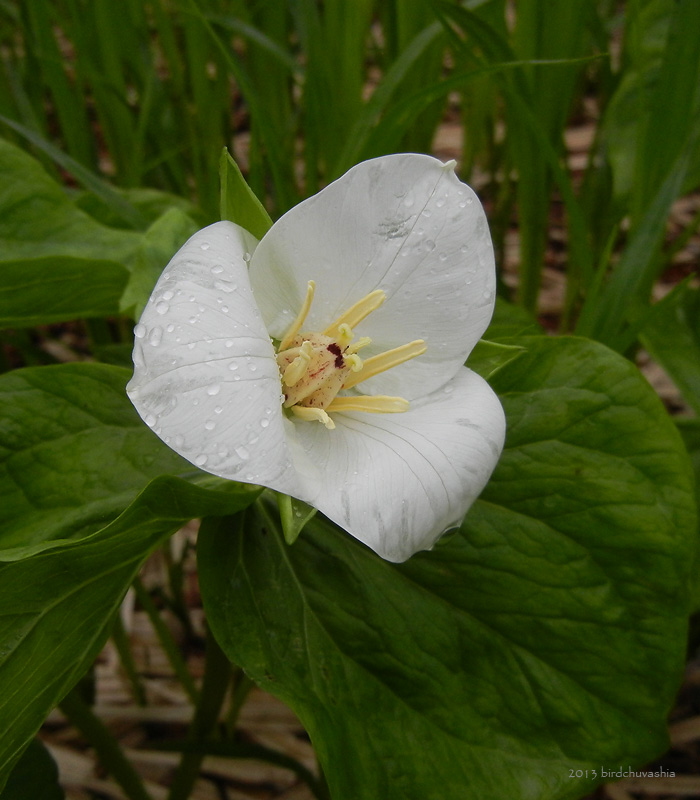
217,675
165,638
106,746
121,642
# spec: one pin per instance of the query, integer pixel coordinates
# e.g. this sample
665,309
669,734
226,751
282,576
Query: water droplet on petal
429,244
213,389
140,331
210,424
155,336
224,309
170,328
150,420
217,270
162,308
242,453
201,460
233,366
264,423
205,245
229,343
223,286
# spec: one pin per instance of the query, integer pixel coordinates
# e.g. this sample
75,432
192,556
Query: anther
355,314
384,361
301,316
313,415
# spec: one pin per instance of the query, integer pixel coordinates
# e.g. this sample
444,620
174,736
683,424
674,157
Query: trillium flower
325,361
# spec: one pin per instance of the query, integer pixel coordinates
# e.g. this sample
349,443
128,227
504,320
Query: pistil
314,367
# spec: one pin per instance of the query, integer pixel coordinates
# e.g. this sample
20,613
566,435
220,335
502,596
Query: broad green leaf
56,262
73,454
546,636
238,203
56,606
672,336
690,431
35,776
82,506
488,357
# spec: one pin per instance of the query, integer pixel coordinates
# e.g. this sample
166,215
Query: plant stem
217,675
166,641
106,746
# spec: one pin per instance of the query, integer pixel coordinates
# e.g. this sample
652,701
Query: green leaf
82,506
160,242
488,357
73,454
35,776
672,336
56,262
238,202
546,636
689,429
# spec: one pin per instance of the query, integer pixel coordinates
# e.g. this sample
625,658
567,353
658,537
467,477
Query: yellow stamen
354,362
384,361
313,415
301,316
355,314
345,335
375,404
363,341
297,369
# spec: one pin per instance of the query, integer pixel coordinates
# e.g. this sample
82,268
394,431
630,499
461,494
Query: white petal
205,376
401,223
397,481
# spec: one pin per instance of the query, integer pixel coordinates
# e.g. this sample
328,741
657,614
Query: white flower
397,248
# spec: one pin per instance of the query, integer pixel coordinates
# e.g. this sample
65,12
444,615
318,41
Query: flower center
315,366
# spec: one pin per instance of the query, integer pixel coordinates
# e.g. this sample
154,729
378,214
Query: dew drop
192,320
210,424
201,460
443,256
242,453
247,257
170,328
222,286
429,245
213,389
218,410
150,420
224,309
229,343
168,295
217,270
155,336
162,308
440,202
179,441
252,367
140,331
408,201
449,389
205,245
264,423
233,366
